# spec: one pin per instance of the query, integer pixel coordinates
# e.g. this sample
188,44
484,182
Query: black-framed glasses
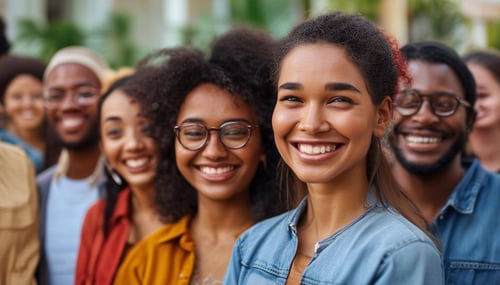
233,134
443,104
82,96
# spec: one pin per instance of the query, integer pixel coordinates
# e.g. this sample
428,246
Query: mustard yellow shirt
165,257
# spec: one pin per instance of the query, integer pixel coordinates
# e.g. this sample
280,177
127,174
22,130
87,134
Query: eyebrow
112,118
335,86
341,87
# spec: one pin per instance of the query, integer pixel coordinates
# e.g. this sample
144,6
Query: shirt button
441,217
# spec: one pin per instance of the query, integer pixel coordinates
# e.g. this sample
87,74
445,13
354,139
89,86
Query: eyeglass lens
233,135
442,104
84,95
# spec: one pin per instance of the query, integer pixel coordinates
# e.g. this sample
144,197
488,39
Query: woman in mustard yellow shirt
217,160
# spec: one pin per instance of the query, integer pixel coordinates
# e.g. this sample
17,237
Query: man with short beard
458,198
72,88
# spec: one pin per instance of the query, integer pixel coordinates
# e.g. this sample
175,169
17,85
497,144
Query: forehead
432,77
213,105
119,104
320,63
71,74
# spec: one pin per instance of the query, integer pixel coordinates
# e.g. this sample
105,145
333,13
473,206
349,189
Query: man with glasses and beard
458,198
72,88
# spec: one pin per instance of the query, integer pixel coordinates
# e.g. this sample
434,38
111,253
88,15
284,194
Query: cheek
283,122
110,151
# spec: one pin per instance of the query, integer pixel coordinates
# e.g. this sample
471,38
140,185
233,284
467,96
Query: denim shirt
469,229
379,247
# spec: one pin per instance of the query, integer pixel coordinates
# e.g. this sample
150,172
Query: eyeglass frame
430,96
177,129
74,97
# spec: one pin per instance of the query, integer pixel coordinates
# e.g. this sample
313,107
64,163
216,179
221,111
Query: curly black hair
240,64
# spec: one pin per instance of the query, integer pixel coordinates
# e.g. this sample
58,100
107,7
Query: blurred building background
125,30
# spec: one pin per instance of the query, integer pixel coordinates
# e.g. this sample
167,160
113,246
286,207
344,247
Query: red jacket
99,258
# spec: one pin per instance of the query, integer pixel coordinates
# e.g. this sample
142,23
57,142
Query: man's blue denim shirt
469,229
379,247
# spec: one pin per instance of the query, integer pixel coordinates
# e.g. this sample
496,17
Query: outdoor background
123,31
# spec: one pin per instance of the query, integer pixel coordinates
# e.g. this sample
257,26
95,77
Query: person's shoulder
266,230
47,174
11,154
392,230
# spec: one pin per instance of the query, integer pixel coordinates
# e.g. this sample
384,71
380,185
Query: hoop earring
116,178
114,175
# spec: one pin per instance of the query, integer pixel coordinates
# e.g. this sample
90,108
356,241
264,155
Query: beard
429,169
88,141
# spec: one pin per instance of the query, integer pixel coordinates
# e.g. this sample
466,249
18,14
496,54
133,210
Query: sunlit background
125,30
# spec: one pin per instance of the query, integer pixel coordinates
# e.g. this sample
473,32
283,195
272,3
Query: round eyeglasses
81,96
233,135
443,104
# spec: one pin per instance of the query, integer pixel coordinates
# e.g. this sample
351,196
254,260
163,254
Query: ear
383,117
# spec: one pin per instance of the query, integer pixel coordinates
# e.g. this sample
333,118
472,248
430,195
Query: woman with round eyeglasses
217,160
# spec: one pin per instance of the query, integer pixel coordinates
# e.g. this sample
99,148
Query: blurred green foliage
50,38
436,20
368,8
114,38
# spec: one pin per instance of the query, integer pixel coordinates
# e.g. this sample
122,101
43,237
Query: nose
68,102
425,115
134,141
313,120
214,149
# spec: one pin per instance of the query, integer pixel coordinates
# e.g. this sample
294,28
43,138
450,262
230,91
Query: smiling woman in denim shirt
336,76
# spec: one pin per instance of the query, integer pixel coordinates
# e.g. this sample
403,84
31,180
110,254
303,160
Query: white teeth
134,163
213,170
71,123
423,140
316,149
28,114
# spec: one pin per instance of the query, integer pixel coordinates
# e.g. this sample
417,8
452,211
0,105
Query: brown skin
125,142
431,192
66,78
323,103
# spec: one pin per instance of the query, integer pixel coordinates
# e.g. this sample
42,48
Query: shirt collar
122,206
463,198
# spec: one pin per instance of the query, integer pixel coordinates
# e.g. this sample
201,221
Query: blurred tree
494,34
368,8
118,46
436,20
50,38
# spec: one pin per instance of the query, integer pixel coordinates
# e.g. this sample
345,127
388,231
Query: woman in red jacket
126,214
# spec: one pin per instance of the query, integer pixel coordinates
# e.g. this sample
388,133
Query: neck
142,198
430,192
483,146
332,206
82,163
144,217
216,218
